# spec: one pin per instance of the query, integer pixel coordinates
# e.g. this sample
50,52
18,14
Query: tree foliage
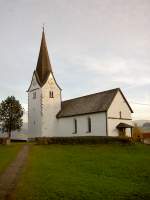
137,134
11,113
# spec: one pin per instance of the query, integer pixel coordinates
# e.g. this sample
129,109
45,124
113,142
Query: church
105,113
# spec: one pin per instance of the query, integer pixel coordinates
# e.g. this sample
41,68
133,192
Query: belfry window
51,94
34,95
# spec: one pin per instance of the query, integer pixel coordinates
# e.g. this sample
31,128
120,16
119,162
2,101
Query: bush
4,140
83,140
137,135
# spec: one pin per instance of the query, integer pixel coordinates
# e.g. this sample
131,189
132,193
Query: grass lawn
87,172
8,154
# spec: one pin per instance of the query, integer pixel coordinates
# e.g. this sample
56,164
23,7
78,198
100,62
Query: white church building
106,113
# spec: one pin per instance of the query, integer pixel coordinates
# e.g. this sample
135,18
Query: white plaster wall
22,134
50,107
34,109
118,104
34,84
113,131
98,125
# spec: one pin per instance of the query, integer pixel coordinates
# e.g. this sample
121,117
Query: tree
137,135
11,113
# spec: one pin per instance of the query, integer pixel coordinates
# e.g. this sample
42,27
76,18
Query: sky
94,45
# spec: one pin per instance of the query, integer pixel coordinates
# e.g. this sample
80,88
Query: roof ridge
91,94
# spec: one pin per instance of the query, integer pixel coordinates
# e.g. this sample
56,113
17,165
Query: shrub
137,134
83,140
4,140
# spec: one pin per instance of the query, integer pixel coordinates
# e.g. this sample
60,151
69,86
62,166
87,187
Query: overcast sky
94,45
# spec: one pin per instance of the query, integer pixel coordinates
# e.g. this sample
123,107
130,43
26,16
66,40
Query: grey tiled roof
94,103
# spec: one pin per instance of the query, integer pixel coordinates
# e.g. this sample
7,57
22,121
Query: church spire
43,68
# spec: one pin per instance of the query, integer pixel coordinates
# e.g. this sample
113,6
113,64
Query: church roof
43,67
94,103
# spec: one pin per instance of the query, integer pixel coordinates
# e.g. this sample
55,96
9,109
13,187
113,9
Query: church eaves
43,68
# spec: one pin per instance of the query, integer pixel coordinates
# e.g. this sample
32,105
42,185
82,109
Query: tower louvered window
51,94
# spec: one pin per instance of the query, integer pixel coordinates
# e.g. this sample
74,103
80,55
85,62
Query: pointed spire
43,27
43,68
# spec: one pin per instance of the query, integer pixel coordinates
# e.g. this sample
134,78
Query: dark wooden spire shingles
43,68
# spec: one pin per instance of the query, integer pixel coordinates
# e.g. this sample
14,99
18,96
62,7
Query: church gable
119,107
51,89
34,83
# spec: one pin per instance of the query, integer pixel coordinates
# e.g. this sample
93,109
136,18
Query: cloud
141,112
119,69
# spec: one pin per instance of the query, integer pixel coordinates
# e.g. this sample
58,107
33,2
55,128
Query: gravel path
8,179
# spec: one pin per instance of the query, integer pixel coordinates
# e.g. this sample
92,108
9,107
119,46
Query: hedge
4,140
83,140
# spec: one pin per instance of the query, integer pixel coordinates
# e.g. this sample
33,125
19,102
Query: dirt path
8,179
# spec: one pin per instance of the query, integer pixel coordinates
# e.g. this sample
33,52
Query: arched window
89,124
75,126
51,94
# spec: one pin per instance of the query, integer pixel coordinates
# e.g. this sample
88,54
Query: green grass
7,155
87,172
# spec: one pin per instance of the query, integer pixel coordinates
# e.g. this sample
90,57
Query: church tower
44,97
